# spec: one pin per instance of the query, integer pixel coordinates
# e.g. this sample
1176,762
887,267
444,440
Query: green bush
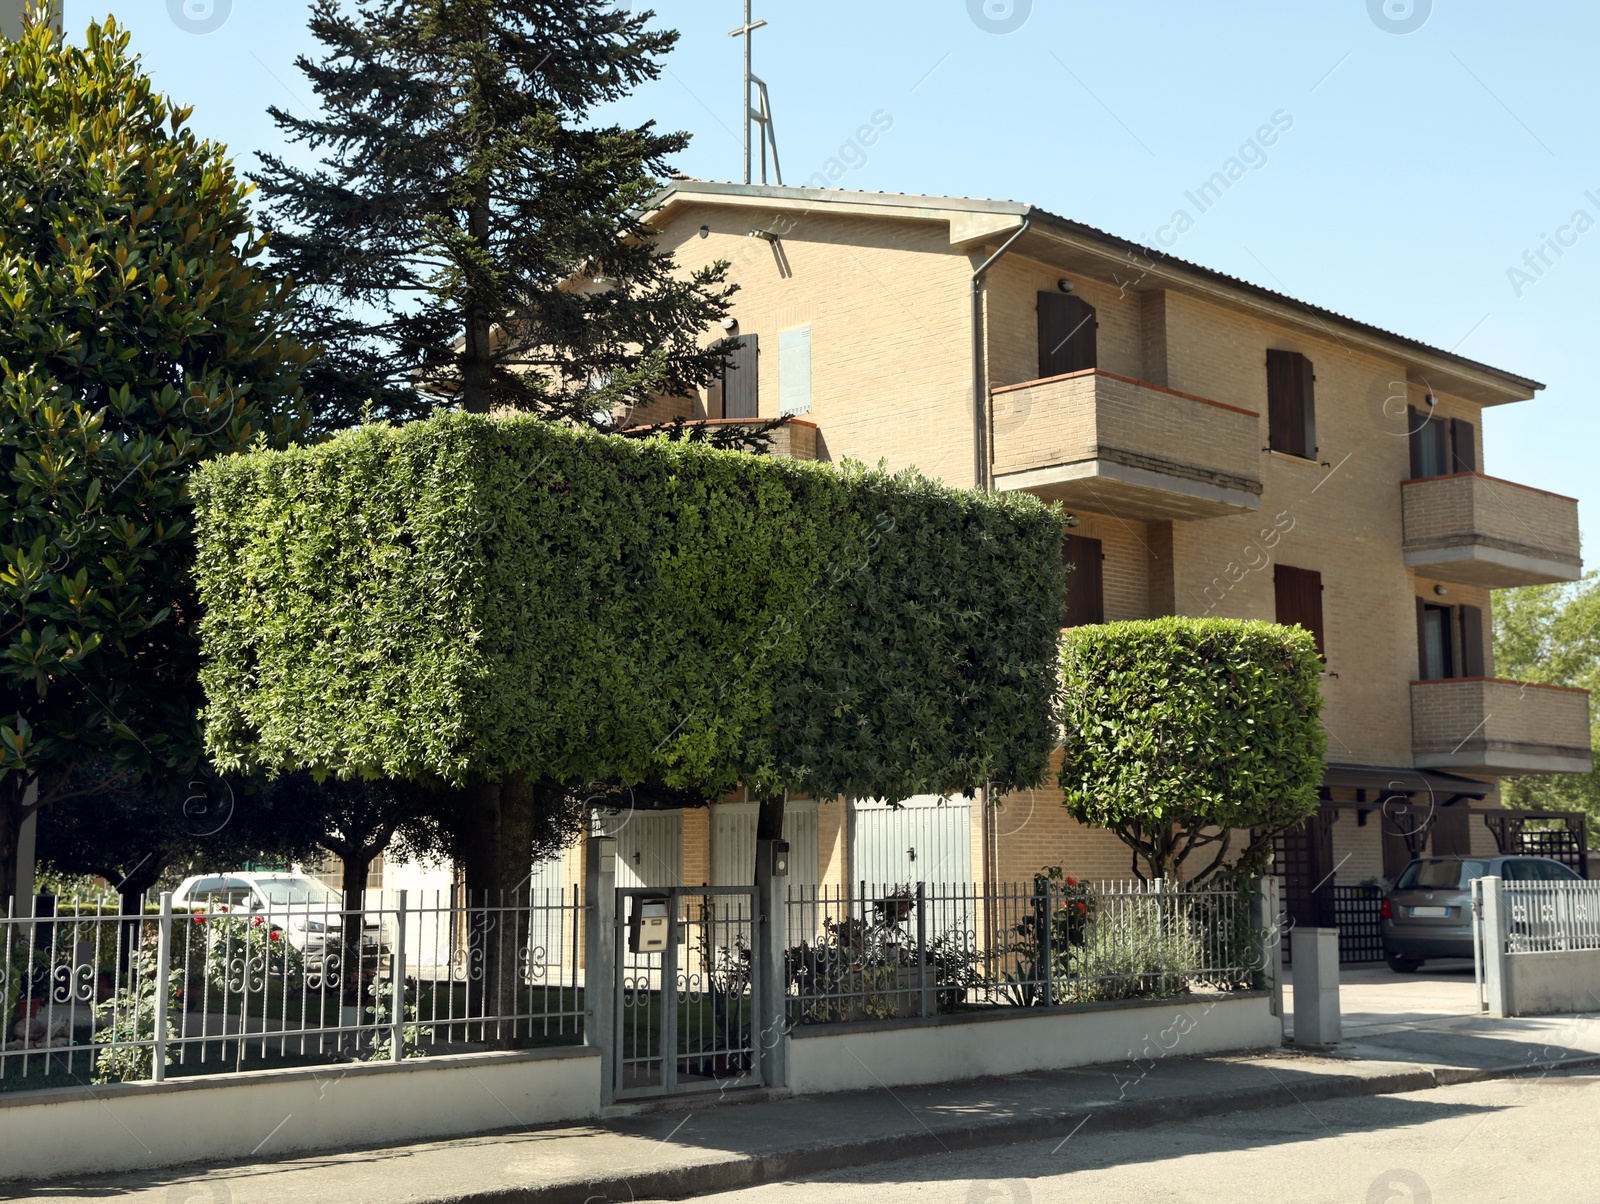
1144,947
471,598
1179,730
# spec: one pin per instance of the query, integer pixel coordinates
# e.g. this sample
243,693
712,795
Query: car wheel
1403,965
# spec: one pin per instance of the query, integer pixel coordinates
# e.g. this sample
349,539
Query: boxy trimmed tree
515,608
1178,732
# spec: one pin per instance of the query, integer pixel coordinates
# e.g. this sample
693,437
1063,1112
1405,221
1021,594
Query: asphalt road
1535,1140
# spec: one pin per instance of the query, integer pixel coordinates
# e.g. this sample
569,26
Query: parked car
308,913
1429,912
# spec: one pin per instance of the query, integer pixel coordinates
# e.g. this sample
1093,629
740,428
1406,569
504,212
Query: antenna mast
761,112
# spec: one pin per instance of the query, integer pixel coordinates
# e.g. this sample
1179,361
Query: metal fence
1551,917
87,994
922,948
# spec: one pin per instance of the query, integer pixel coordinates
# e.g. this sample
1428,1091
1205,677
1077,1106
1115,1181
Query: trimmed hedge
1174,725
471,598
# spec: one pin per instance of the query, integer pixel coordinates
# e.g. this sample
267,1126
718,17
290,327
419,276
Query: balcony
1097,441
1478,530
1483,725
796,439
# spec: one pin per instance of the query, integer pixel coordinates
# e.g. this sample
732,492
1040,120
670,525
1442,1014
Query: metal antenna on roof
761,112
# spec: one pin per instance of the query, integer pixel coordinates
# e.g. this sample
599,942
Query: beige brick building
1226,450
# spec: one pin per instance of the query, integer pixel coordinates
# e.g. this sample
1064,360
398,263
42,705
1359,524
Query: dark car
1429,911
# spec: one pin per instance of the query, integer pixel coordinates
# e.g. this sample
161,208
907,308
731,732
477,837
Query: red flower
255,922
272,936
1072,882
199,917
1081,908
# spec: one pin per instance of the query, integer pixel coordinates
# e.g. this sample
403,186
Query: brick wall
890,316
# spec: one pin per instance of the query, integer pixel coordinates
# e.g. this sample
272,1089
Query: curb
758,1169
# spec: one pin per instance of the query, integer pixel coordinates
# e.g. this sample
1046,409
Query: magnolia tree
1179,733
139,338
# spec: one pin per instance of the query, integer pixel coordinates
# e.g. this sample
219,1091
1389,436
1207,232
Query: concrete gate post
600,957
1490,946
1265,911
771,978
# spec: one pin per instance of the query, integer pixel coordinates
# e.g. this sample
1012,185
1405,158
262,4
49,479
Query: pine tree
470,237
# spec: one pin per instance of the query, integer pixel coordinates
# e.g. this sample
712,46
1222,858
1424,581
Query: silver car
1429,911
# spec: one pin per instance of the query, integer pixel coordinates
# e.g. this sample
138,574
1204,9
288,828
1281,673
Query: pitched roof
898,204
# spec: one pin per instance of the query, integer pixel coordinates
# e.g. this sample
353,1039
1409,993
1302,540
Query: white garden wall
893,1053
130,1126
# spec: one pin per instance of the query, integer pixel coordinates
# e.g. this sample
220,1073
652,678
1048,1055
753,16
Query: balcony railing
1485,725
1478,530
1104,442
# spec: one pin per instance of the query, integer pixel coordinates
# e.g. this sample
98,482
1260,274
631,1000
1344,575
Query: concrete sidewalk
739,1140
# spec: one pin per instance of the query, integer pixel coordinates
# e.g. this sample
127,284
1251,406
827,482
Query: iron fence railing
1551,917
88,994
921,948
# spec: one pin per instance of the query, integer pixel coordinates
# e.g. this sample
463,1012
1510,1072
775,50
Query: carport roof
1404,780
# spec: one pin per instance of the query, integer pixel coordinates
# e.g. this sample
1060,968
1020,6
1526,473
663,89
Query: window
741,379
1298,597
1427,444
1291,404
1066,334
1435,646
1441,445
1449,641
1085,601
794,371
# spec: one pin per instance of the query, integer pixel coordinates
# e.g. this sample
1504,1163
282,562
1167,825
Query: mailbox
649,927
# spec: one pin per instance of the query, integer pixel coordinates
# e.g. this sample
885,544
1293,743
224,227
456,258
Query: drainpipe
982,481
980,367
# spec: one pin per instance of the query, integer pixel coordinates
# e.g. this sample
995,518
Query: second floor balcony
1107,443
1479,530
1482,725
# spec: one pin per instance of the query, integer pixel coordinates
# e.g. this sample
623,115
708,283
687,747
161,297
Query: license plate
1430,913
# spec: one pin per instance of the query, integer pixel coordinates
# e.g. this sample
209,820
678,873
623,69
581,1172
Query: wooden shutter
1463,446
1066,334
1291,404
1414,428
741,395
1298,595
1086,600
1306,391
1422,640
1471,641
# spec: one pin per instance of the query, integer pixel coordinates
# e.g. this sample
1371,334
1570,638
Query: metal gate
686,1016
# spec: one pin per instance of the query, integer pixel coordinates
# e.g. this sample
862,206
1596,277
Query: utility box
650,924
1316,986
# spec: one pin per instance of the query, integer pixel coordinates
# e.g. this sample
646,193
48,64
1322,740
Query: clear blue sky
1420,168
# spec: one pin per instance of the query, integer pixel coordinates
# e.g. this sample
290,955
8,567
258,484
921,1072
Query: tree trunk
131,893
496,836
769,825
476,355
18,798
354,862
